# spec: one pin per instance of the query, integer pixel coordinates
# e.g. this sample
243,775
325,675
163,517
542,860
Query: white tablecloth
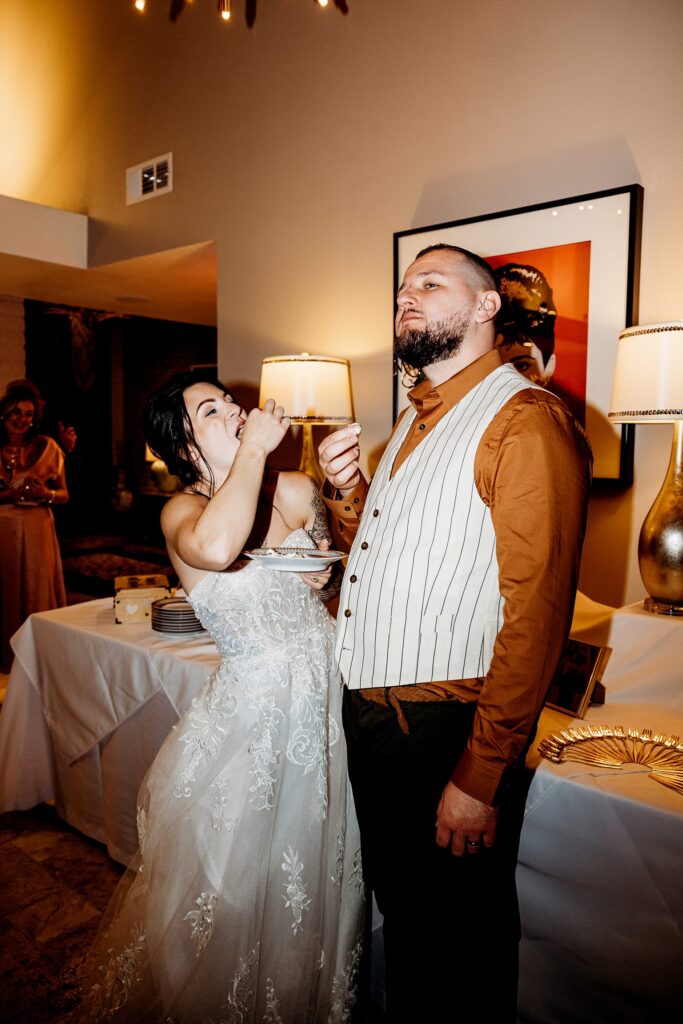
601,897
599,876
88,705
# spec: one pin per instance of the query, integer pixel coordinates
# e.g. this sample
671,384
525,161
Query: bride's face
217,423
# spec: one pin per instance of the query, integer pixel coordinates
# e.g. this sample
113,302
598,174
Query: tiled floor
54,886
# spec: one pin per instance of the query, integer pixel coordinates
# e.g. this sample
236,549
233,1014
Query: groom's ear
486,307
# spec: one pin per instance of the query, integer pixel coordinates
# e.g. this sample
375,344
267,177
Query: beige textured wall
301,147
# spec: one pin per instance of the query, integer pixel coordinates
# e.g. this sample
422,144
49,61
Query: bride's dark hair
168,429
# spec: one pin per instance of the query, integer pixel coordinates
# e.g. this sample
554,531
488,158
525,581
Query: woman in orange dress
31,480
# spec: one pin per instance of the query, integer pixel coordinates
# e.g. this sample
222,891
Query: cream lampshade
648,388
313,390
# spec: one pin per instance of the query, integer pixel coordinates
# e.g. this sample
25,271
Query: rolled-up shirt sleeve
533,469
346,510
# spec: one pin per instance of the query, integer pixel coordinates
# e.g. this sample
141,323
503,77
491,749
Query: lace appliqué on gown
344,987
207,728
263,750
220,801
241,997
202,920
272,1015
120,974
296,898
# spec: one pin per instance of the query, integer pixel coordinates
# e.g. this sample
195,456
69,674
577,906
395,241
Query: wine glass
24,493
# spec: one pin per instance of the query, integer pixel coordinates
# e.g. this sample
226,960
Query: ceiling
178,284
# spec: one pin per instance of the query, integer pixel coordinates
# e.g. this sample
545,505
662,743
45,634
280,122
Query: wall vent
149,179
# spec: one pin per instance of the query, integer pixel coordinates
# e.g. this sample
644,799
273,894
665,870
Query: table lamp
313,390
648,388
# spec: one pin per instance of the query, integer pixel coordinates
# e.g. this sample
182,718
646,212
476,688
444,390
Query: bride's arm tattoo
318,532
320,529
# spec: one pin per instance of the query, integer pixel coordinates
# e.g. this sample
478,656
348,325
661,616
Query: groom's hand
339,456
464,823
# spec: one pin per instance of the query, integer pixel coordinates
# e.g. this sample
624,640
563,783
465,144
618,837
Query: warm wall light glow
41,82
140,5
323,3
224,9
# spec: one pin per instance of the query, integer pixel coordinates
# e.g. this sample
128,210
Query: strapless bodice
252,611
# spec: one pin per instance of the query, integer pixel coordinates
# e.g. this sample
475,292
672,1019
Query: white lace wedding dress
247,901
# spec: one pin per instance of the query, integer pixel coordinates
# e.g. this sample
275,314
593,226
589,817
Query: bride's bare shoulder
182,506
293,492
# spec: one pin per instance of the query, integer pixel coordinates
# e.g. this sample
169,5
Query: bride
245,901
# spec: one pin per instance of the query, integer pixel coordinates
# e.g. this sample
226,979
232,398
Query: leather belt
393,696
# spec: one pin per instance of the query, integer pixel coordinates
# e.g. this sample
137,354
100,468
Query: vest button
421,427
376,512
352,579
364,546
347,613
347,508
356,500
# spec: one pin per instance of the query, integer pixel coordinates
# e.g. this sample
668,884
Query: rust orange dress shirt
532,468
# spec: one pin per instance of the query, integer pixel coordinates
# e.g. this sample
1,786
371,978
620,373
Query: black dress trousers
451,924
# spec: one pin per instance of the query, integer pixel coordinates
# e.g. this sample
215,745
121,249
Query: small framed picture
577,680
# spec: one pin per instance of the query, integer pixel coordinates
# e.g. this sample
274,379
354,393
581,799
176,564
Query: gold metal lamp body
648,388
660,547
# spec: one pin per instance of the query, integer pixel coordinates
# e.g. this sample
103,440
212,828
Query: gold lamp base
662,607
309,462
660,547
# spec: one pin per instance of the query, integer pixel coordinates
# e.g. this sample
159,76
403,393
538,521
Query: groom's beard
434,343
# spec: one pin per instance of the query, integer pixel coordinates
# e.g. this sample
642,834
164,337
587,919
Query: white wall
38,232
301,147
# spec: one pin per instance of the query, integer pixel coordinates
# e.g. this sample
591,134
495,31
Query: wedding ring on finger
474,844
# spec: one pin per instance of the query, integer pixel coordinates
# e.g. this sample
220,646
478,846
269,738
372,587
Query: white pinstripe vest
421,584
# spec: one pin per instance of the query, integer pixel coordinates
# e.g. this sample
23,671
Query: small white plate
298,560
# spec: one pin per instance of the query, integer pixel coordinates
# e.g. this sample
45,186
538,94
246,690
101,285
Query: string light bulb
323,3
224,9
140,5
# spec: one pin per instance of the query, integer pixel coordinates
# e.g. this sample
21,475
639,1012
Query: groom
455,607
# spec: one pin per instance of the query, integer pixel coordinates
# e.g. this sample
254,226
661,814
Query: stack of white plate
174,615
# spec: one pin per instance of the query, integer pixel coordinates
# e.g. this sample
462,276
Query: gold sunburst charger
605,746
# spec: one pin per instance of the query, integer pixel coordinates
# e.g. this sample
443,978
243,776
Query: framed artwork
577,680
568,274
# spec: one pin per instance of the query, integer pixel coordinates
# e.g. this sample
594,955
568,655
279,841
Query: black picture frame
611,221
577,679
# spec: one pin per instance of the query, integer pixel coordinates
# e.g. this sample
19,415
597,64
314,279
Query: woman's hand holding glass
32,489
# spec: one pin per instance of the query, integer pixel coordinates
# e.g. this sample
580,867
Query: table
599,875
89,703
